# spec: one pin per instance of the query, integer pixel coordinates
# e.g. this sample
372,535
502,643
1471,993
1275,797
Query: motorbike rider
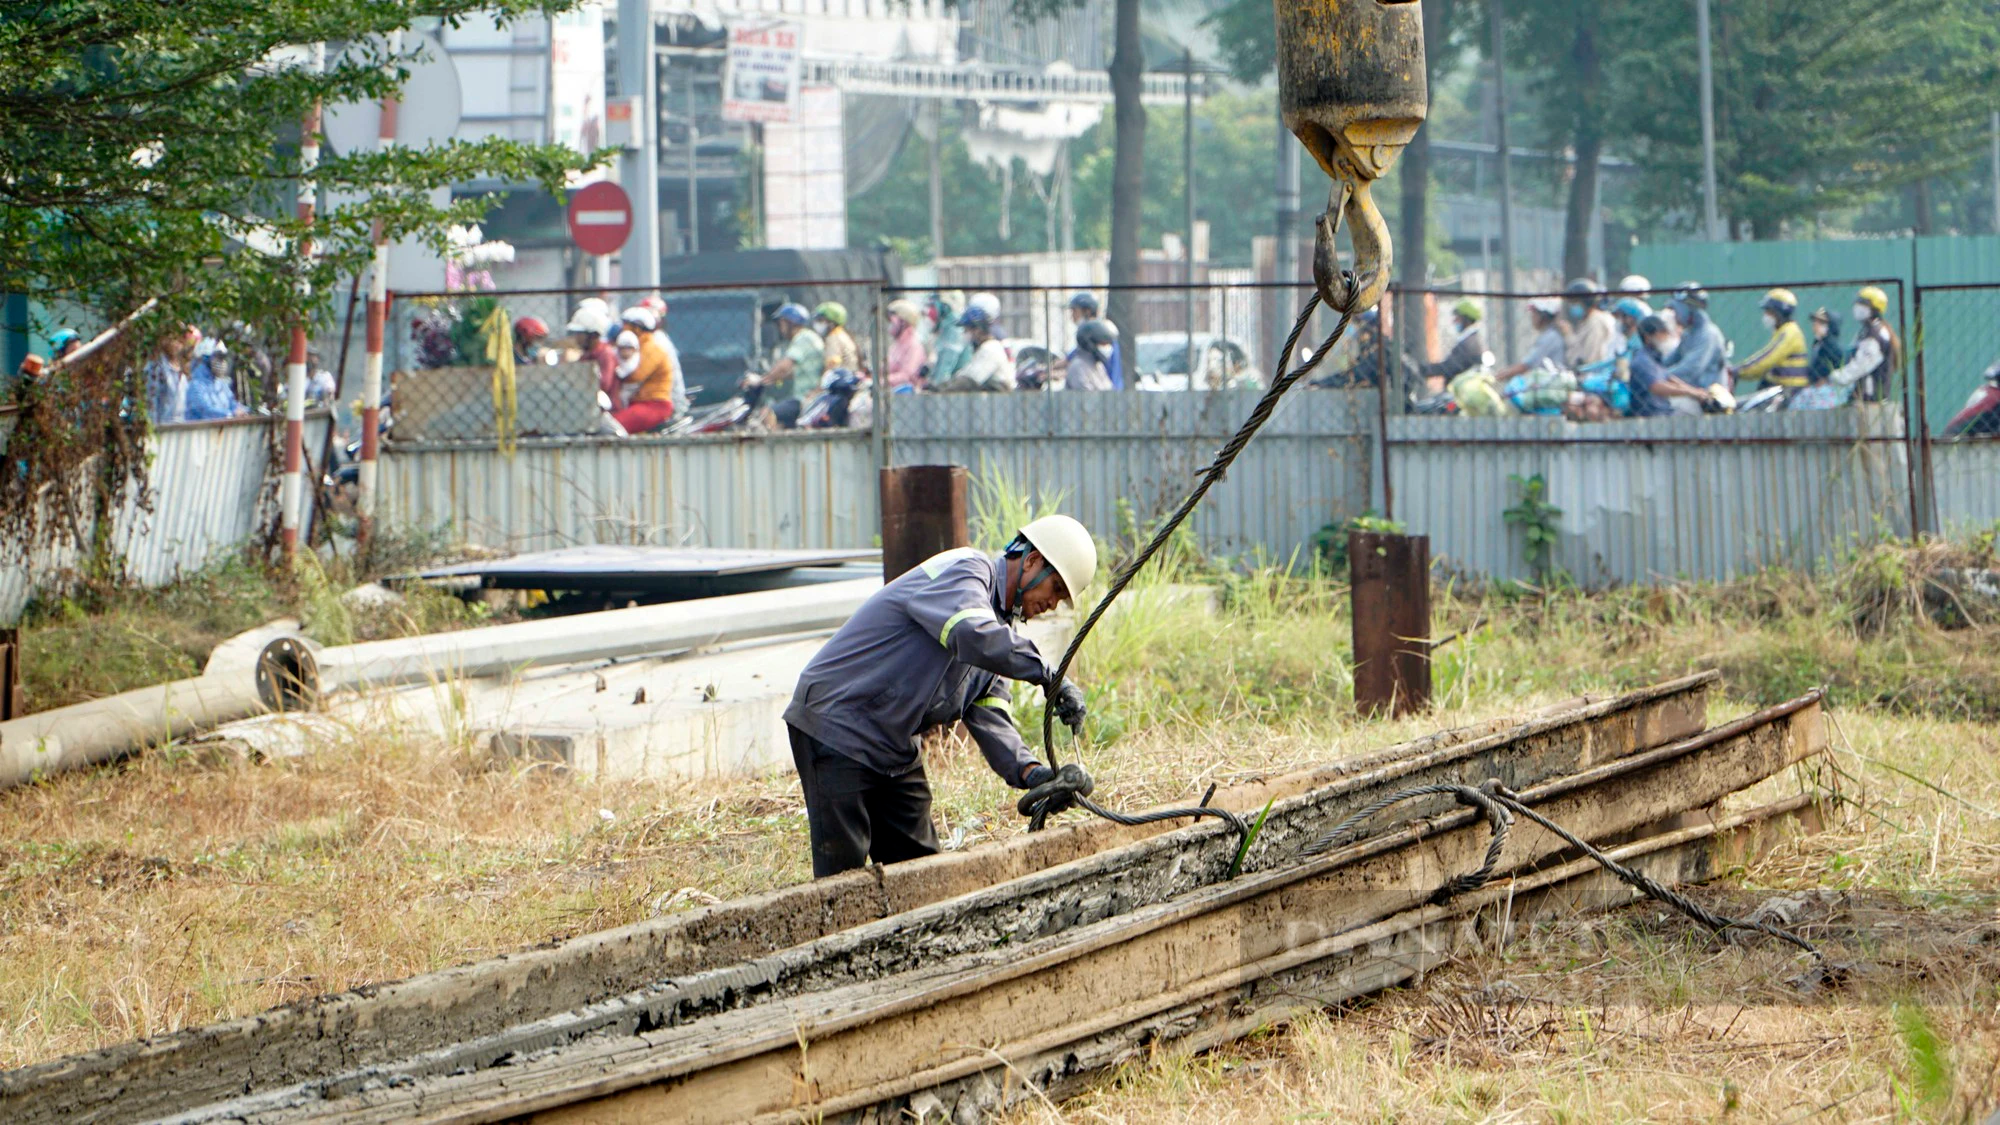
952,349
1548,343
1593,335
1876,351
1782,361
1090,361
590,326
797,372
1654,391
1467,351
906,347
648,378
935,646
989,368
842,353
1083,307
529,332
1627,313
1699,359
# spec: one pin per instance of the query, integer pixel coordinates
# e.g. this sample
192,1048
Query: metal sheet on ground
636,568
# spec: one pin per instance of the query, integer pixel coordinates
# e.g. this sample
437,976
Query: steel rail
840,1049
471,1015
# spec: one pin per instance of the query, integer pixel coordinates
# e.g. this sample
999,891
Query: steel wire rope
1060,792
1500,805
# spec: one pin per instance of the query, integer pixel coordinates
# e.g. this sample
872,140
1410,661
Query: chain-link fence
1957,353
442,384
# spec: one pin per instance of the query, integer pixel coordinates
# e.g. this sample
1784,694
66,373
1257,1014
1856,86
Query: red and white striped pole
291,494
371,372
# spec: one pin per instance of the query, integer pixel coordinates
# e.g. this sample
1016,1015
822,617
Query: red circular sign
600,217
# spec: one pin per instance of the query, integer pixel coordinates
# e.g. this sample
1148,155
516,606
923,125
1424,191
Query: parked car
1161,361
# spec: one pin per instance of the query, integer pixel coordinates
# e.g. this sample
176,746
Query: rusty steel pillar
923,513
11,703
1392,621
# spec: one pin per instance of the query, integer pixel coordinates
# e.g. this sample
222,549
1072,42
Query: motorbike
1981,414
1035,368
1769,400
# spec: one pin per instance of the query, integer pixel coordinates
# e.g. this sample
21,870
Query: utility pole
937,180
640,170
1707,123
1496,17
694,189
1286,266
1996,171
1187,193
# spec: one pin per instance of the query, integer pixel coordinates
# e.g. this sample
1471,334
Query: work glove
1059,788
1067,702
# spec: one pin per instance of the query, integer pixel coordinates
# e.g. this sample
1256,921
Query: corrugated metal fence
812,489
212,489
1658,499
1105,454
1966,477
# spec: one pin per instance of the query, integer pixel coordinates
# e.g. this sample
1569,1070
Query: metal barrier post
1391,592
923,513
1923,496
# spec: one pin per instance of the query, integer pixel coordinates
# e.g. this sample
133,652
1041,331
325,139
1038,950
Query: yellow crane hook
1354,91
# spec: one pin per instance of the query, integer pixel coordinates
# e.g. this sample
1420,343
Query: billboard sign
576,82
761,82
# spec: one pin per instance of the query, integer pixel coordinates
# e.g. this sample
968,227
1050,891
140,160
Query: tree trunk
1413,245
1128,175
1588,144
1921,217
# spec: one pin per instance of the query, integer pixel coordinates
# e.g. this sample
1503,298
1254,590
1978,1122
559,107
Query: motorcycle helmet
530,328
975,317
1632,307
1467,309
1085,303
1635,283
592,317
1094,334
61,339
1780,301
986,302
1691,294
833,312
641,316
791,312
1874,298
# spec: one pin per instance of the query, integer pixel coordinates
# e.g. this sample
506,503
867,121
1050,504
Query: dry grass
182,889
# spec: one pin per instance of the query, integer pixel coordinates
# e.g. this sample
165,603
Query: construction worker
933,647
1782,362
1866,373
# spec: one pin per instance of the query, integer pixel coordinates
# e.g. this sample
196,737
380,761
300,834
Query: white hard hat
1635,283
592,318
1068,547
641,316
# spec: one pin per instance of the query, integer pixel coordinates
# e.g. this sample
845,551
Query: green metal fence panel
1956,348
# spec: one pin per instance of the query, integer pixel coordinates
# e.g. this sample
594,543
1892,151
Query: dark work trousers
855,813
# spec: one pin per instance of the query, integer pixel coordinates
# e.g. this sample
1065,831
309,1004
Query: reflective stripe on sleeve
944,634
998,702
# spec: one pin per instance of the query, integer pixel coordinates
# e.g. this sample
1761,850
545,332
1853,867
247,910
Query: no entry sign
600,217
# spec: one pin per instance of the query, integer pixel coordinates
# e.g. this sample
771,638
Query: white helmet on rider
592,316
1635,283
987,303
1067,546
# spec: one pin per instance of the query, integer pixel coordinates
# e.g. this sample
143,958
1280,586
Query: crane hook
1352,87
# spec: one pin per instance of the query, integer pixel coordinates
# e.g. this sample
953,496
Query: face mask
628,366
821,327
1577,312
1864,313
1819,330
1103,351
1771,320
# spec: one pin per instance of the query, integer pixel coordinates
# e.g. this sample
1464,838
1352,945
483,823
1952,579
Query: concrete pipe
299,672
